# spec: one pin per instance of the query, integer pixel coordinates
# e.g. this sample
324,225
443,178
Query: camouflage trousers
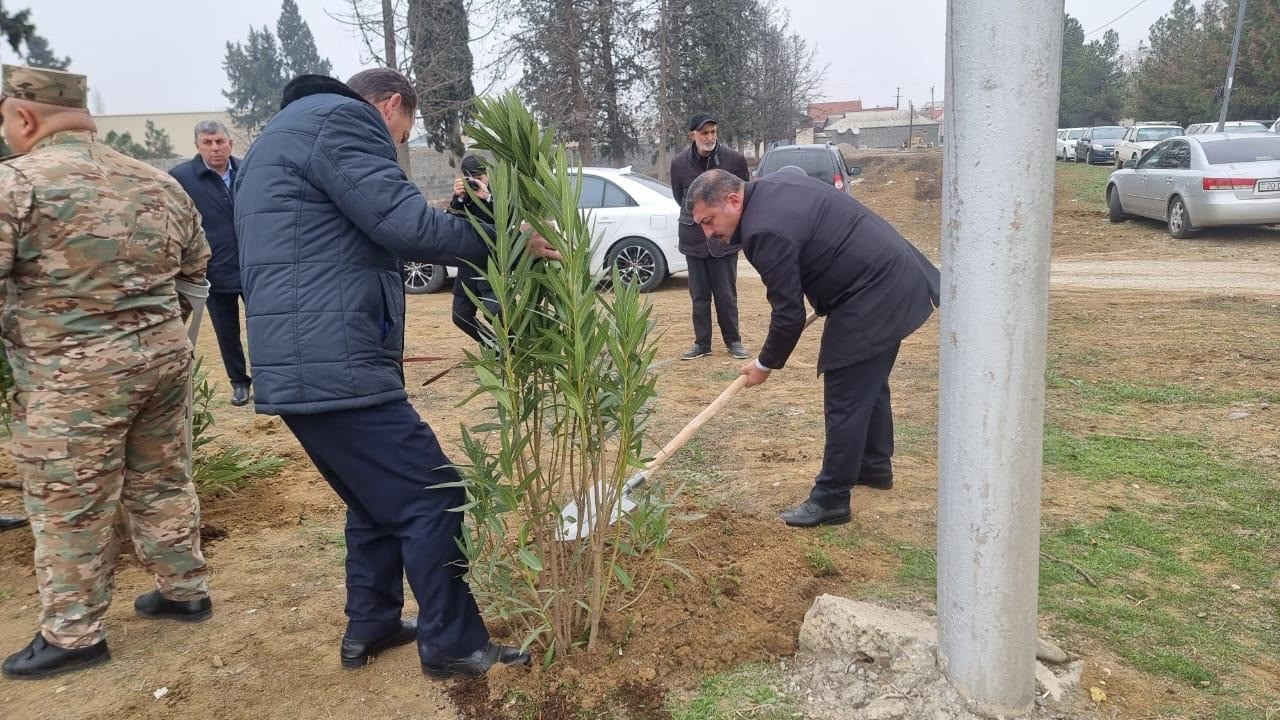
82,455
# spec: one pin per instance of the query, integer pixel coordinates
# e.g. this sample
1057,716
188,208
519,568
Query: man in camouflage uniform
91,243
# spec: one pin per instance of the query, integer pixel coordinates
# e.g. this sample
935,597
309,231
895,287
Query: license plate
1269,186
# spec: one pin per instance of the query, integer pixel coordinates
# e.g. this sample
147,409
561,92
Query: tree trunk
389,40
614,131
578,94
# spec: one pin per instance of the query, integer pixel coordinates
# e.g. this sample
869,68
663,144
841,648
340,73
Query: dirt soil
276,549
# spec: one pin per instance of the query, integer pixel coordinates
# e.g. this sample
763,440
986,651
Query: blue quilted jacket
324,215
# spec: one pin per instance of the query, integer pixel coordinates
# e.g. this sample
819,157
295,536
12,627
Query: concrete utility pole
1231,67
1004,62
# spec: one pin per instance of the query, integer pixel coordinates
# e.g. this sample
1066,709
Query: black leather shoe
239,395
9,522
477,663
357,654
39,659
876,481
810,514
695,352
154,606
738,350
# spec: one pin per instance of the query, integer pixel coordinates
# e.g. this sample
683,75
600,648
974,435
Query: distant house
819,112
179,125
880,128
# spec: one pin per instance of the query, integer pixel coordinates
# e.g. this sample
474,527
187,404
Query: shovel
573,527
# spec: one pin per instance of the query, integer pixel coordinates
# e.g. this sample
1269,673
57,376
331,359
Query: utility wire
1116,19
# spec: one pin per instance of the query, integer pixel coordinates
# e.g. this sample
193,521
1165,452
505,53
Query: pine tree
157,143
297,45
255,71
40,55
442,66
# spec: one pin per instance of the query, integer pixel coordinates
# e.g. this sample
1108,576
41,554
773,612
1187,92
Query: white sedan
635,223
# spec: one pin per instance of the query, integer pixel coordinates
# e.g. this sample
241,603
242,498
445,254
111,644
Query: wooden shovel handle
707,413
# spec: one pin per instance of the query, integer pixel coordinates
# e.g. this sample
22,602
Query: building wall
891,137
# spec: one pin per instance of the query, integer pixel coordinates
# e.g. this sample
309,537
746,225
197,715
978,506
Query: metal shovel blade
576,524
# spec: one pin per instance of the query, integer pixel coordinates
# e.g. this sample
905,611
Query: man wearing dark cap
91,244
477,202
713,266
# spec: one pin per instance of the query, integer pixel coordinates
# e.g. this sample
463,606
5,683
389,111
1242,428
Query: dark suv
821,162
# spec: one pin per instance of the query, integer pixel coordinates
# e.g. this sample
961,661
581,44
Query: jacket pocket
392,306
34,450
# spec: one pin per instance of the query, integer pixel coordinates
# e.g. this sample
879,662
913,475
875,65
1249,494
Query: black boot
39,659
810,513
876,481
239,395
154,606
475,664
357,654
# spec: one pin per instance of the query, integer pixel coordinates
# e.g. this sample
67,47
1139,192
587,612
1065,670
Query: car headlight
1098,147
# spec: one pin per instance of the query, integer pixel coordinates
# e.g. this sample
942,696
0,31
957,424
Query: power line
1116,19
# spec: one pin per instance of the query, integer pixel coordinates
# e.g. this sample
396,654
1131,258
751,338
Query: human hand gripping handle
756,373
538,245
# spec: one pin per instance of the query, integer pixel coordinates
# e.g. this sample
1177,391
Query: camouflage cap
52,87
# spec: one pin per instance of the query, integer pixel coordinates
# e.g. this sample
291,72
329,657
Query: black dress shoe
876,481
695,352
154,606
39,659
738,350
810,514
9,522
239,395
357,654
477,663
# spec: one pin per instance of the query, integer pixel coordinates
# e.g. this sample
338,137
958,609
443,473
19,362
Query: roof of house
854,121
819,112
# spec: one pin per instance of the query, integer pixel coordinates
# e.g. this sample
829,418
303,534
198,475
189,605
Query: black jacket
214,201
685,168
809,240
324,214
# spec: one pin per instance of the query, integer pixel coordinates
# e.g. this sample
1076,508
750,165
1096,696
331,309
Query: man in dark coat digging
809,240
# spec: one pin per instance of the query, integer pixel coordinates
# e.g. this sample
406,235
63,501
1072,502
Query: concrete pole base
862,661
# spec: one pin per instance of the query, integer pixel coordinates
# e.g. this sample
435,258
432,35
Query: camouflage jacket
90,244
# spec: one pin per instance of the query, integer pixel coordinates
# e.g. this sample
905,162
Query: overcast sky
166,55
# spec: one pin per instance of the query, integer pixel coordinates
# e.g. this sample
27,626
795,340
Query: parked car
1097,144
1235,126
821,162
1275,126
1067,143
634,221
1204,180
1141,138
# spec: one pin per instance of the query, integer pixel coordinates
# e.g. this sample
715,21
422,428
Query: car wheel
422,278
1115,211
1179,219
639,262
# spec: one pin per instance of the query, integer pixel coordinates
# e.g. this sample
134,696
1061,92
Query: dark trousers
383,462
859,427
714,278
224,313
465,312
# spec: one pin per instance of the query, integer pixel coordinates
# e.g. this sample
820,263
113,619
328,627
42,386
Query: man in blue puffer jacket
324,214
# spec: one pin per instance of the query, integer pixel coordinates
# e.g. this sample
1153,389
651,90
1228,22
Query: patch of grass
724,375
1160,575
1086,183
841,536
821,562
1114,395
751,691
694,467
329,539
909,439
919,565
5,595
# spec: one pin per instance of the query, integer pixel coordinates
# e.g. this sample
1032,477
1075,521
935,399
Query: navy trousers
384,462
224,313
859,427
465,312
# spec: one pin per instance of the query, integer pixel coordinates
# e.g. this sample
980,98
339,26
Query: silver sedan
1201,181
